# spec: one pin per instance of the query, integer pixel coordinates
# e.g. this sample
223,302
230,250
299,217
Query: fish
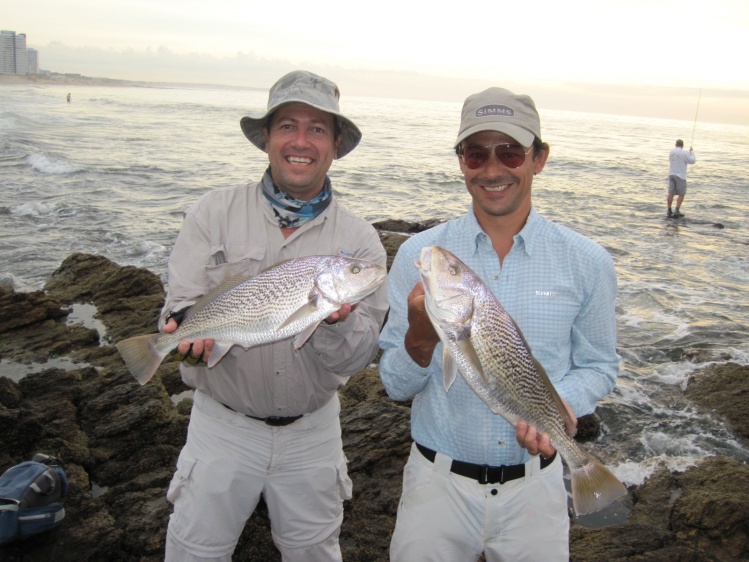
289,299
483,343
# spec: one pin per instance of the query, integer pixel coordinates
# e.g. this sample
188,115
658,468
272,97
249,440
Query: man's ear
539,160
336,144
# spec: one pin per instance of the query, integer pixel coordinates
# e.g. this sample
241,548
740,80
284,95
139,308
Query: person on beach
69,98
265,421
560,288
678,159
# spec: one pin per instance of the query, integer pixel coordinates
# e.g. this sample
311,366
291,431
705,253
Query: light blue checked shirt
560,288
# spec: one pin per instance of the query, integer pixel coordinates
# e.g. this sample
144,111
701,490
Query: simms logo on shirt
547,293
495,111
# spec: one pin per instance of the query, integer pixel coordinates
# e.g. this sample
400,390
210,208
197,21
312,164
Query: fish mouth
424,264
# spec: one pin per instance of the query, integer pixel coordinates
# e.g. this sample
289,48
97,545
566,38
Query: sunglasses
509,154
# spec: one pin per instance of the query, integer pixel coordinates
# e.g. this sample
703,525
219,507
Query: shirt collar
525,240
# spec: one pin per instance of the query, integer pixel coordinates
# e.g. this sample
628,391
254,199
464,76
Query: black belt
484,473
275,421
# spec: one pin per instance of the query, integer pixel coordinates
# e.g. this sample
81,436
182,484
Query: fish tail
141,356
594,487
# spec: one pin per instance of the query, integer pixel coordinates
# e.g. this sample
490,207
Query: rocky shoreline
119,440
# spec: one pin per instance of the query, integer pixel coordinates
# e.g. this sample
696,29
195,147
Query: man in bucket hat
265,420
560,289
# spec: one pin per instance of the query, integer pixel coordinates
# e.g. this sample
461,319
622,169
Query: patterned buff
290,212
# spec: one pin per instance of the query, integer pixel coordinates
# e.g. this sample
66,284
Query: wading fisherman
678,159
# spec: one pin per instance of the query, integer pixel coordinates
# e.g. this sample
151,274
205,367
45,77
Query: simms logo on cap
495,110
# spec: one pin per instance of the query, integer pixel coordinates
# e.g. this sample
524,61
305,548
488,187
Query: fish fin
219,289
304,311
218,352
594,487
140,356
281,262
472,358
304,335
449,369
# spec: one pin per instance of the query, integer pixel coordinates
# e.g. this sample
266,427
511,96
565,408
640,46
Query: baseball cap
497,109
308,88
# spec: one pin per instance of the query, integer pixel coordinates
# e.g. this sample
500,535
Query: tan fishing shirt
233,231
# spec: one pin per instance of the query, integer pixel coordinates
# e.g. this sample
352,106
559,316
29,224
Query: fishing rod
695,117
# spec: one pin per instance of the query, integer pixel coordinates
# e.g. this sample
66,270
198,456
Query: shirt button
494,492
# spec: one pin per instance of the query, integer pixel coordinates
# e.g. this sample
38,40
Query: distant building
14,56
33,61
7,52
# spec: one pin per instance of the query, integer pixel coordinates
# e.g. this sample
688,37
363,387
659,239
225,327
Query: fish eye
453,269
355,269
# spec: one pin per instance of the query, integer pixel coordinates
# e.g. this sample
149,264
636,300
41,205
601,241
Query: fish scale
484,344
289,299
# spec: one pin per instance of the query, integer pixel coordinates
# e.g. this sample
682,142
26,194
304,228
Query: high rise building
7,52
33,61
14,56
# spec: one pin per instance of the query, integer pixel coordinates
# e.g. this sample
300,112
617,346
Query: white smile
298,160
496,188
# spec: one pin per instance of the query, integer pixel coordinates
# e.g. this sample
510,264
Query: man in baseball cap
264,420
474,483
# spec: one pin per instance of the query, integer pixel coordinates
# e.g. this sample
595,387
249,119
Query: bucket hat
308,88
497,109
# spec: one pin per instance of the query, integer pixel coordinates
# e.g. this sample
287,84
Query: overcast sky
650,57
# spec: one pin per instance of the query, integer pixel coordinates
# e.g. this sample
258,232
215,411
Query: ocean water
111,173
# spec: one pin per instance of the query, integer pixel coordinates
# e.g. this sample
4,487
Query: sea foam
46,165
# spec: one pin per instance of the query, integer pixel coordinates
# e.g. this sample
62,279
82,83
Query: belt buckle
278,421
484,474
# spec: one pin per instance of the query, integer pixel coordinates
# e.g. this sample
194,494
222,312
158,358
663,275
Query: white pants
446,517
229,460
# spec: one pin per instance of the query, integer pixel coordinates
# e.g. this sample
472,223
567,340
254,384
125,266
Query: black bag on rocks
31,498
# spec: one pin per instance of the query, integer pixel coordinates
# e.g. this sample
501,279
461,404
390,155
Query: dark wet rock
394,232
33,330
723,389
392,241
129,298
122,439
397,225
704,355
631,542
26,309
588,427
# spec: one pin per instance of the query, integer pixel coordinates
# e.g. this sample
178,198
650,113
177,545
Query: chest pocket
229,260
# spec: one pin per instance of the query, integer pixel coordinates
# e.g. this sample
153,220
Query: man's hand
198,350
534,442
341,314
421,338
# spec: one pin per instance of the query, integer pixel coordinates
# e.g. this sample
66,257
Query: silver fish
288,299
483,342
